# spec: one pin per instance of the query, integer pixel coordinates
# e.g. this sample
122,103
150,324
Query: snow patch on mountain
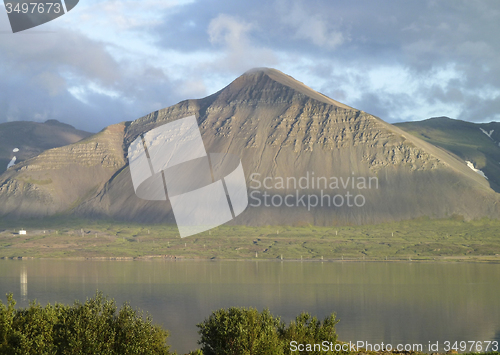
470,165
12,162
487,133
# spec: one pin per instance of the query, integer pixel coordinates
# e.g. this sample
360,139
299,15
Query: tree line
99,327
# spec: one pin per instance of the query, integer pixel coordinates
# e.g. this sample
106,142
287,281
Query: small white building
22,231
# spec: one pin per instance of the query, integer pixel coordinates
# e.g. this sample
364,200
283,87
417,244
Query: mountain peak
268,84
53,122
264,70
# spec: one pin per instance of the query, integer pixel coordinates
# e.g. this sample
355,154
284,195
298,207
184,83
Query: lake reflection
376,302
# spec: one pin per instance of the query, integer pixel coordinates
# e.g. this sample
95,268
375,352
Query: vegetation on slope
467,140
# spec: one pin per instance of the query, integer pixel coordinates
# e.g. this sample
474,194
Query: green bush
242,331
97,327
91,328
309,330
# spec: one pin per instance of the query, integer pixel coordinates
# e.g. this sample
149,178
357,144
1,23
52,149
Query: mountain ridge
32,138
279,128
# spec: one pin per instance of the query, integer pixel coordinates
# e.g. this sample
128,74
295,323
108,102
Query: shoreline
447,259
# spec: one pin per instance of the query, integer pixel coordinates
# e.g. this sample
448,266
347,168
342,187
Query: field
415,240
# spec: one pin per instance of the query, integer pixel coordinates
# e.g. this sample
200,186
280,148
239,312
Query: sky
110,61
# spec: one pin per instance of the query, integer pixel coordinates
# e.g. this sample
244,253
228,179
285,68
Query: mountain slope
59,179
32,138
281,129
478,143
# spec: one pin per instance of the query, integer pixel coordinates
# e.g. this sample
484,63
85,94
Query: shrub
309,330
241,331
90,328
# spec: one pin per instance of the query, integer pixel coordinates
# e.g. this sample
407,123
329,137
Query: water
396,303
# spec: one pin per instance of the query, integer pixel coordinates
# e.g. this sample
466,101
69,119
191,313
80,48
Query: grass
464,139
421,239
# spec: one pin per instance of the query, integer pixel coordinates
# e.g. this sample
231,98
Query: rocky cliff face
284,131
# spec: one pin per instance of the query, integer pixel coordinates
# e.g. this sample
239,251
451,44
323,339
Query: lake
396,303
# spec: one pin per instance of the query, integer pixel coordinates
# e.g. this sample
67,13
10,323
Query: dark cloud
40,69
424,37
444,52
481,109
451,94
186,28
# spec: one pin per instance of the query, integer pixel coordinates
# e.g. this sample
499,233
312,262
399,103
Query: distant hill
32,138
469,141
280,128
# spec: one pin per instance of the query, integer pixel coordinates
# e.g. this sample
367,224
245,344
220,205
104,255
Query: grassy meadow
420,239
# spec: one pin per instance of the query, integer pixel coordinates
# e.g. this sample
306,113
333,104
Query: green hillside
466,140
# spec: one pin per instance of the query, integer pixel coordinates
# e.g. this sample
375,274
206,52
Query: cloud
68,76
228,30
87,96
124,15
108,61
52,83
315,27
232,34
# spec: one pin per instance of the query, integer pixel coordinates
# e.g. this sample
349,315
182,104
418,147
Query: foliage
94,327
309,330
242,331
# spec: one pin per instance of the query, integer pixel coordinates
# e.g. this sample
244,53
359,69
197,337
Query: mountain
285,133
32,138
59,179
478,143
